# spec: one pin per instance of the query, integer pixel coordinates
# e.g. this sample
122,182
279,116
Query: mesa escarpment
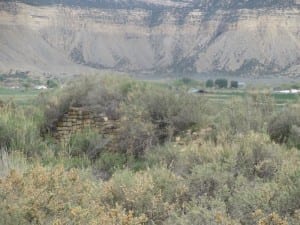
174,38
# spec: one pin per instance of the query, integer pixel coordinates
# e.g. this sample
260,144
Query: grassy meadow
18,96
226,157
280,99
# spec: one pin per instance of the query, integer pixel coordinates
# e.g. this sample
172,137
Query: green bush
209,83
284,127
135,137
154,193
245,176
52,84
287,199
171,111
256,158
234,84
19,130
209,211
249,197
108,163
221,83
294,139
206,180
245,114
87,142
58,196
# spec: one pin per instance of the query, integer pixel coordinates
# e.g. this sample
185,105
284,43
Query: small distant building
292,91
295,91
14,87
40,87
284,91
241,85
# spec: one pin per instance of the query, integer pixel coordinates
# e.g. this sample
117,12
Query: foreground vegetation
177,158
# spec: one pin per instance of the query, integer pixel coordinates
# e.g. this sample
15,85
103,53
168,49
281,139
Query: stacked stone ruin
77,119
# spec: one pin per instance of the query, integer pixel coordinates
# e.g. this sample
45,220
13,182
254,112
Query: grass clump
86,143
284,127
19,130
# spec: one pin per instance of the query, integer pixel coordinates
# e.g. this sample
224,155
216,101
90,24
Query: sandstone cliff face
173,37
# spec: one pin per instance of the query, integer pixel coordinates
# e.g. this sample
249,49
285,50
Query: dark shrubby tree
285,127
187,80
234,84
221,83
87,143
209,83
52,84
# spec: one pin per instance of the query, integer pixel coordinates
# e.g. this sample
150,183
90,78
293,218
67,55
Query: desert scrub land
172,158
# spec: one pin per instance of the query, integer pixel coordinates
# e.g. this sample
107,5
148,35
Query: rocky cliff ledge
171,38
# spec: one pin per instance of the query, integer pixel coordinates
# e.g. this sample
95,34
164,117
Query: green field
25,97
19,96
279,98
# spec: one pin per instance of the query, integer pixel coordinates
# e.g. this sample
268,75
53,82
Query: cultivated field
18,96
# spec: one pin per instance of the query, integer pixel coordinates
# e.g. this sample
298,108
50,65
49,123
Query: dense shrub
256,158
171,111
221,83
108,163
248,198
248,175
294,138
42,196
19,130
284,127
135,137
52,83
234,84
87,142
244,114
206,180
155,193
209,83
209,211
286,199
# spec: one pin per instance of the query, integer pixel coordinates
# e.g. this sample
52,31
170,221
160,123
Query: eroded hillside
153,36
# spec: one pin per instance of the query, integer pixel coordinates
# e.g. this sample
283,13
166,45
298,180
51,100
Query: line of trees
221,83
